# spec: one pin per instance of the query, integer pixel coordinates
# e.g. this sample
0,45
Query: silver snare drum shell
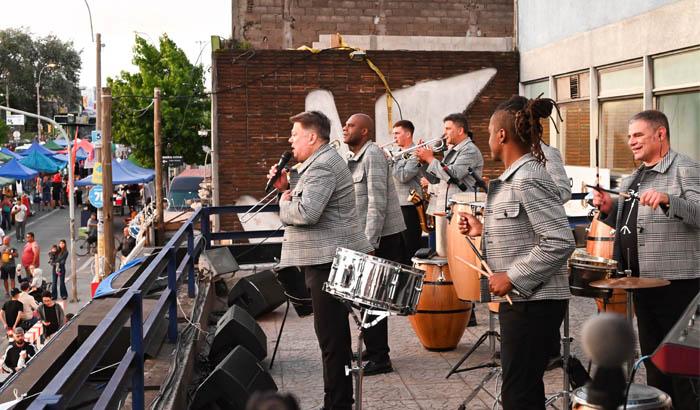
374,283
641,397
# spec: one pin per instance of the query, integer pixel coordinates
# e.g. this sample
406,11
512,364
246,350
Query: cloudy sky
189,23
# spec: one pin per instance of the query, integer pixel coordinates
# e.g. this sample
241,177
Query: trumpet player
407,172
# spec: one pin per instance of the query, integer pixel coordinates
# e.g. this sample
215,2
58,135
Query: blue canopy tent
135,169
61,142
80,155
105,287
120,176
36,147
13,154
15,170
42,163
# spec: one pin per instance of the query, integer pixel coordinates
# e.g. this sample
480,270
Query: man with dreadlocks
527,241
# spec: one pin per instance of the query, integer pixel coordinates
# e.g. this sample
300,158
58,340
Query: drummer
658,236
379,215
319,214
526,242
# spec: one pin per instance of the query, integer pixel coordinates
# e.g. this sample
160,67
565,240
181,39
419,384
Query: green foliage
184,106
4,130
22,58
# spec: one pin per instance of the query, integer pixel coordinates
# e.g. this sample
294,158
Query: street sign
97,173
96,136
15,119
16,135
95,196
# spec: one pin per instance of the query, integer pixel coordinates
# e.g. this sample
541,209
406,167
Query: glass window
532,90
677,70
575,133
621,80
614,119
682,112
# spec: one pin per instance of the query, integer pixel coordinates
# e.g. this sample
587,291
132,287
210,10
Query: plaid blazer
526,233
458,160
668,243
407,174
321,215
378,208
555,167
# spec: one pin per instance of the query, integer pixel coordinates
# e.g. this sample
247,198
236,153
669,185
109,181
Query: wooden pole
158,155
98,81
107,181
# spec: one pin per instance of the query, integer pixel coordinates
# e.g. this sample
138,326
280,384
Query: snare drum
374,283
466,279
584,269
441,318
641,397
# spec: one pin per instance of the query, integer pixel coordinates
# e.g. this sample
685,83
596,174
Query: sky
189,23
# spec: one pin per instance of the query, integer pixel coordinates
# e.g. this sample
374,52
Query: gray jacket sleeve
555,168
309,198
686,206
459,168
406,169
376,171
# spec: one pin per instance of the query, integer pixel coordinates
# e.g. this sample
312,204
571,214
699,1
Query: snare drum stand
358,369
565,393
492,335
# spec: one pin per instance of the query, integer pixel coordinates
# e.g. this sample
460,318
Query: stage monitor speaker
237,327
259,293
232,382
292,280
220,261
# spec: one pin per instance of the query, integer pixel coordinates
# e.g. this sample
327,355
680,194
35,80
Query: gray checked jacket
407,174
555,167
378,208
526,233
668,243
458,160
321,215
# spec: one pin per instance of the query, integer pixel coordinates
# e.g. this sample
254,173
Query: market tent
135,169
42,163
86,146
4,157
51,144
120,176
12,154
36,147
15,170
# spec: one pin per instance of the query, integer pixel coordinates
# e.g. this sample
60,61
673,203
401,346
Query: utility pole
107,180
158,165
98,81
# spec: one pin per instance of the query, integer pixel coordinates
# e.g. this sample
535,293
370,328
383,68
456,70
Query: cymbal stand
565,393
357,369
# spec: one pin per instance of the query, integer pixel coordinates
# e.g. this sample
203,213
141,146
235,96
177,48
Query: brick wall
261,22
258,91
576,133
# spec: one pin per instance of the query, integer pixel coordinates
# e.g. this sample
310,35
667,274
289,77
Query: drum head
581,257
436,260
641,397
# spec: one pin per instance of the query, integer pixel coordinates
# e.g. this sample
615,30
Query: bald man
379,213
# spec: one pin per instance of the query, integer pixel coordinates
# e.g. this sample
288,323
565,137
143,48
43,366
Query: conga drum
441,318
617,303
466,279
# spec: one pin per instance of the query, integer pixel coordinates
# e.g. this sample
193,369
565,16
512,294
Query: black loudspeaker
237,327
292,280
259,293
232,382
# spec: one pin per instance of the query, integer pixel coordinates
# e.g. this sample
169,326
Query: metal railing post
190,267
205,227
137,376
172,286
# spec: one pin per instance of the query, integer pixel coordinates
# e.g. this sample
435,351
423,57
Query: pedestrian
29,305
20,212
6,209
51,315
8,254
56,188
127,244
30,253
46,194
18,353
11,312
37,286
59,271
37,195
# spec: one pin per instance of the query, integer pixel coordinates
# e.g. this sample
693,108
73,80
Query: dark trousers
527,330
333,334
411,236
376,338
658,309
58,281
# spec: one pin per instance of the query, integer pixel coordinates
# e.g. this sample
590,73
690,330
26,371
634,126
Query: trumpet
387,148
436,144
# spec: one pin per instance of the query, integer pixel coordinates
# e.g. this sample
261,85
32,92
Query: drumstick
471,265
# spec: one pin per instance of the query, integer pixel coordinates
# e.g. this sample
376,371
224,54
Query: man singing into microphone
318,209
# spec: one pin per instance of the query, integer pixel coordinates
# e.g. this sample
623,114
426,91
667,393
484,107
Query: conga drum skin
600,238
466,279
441,318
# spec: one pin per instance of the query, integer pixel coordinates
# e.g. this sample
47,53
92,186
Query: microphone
479,182
280,165
453,179
609,340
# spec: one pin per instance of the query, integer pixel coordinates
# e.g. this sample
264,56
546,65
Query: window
677,70
621,80
534,90
614,120
682,112
573,87
575,133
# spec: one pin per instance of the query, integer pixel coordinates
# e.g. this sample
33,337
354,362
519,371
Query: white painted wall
322,100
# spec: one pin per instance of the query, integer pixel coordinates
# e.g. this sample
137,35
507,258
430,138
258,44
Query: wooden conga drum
466,279
441,318
617,303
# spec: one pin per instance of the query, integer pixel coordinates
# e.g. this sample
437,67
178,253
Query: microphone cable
636,366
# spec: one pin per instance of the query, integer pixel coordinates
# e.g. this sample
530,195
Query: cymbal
629,282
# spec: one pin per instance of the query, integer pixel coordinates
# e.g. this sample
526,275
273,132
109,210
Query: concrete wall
669,27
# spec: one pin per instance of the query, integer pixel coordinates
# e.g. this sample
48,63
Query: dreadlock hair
526,116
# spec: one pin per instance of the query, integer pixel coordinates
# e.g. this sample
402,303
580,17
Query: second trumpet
436,144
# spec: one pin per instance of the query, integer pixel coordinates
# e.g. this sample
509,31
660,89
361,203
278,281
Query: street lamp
38,95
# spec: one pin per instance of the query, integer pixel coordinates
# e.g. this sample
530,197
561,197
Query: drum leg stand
565,393
357,368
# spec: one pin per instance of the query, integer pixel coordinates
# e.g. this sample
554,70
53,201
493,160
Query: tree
22,58
4,130
184,106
